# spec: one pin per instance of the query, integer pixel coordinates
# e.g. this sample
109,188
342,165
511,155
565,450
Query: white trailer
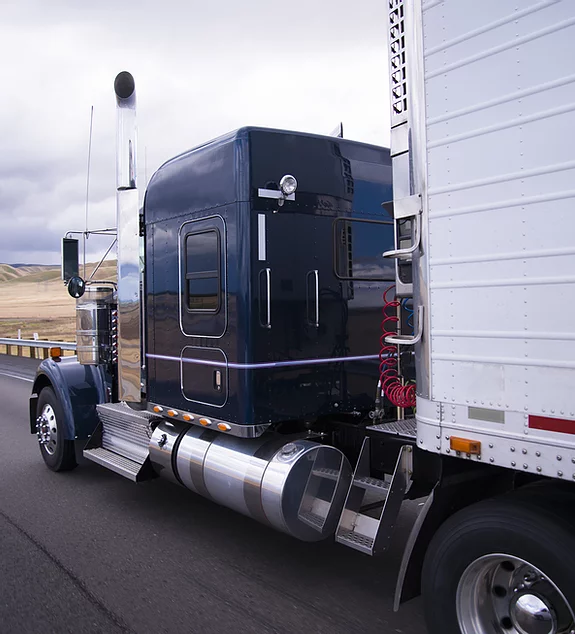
483,131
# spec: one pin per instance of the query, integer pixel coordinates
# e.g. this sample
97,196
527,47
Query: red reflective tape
552,424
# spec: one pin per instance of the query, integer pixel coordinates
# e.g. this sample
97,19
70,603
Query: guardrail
34,344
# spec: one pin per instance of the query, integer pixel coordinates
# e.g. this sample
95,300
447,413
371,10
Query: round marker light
288,184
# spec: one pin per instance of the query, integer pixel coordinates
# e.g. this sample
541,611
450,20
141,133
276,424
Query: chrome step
323,472
366,533
312,519
356,541
126,431
372,483
406,428
124,466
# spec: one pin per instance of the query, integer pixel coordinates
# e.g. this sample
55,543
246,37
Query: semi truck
313,331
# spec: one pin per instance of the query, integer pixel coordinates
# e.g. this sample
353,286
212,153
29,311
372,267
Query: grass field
34,299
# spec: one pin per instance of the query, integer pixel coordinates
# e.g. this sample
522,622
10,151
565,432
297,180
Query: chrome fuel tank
293,484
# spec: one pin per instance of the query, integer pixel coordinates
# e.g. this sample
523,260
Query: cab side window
202,272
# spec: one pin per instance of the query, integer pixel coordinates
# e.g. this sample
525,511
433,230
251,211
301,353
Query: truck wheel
58,453
502,566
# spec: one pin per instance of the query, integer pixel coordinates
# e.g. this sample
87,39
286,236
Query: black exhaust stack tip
124,85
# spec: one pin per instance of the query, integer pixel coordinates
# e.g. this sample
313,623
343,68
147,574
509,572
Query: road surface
89,551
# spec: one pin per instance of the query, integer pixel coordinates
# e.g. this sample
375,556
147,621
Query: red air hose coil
398,394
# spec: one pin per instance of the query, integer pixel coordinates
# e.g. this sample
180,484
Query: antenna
88,184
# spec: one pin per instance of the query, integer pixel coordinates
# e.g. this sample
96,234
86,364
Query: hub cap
502,594
47,429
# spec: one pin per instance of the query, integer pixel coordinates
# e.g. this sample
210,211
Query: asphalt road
88,551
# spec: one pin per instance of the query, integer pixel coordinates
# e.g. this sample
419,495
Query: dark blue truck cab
240,354
263,307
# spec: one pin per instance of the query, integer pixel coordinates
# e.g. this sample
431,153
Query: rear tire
58,453
502,565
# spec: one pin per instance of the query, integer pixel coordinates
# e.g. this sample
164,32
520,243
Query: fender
79,389
460,484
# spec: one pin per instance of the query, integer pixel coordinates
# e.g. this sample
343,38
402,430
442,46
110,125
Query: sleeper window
203,271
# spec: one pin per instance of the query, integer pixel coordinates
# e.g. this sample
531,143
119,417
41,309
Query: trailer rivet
560,474
491,459
479,457
513,463
490,445
512,448
449,451
573,460
559,458
438,436
524,451
438,447
538,453
539,469
447,438
525,465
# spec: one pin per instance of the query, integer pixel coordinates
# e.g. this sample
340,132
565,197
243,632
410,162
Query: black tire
60,454
527,526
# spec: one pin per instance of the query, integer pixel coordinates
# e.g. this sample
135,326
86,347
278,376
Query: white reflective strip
257,366
15,376
261,237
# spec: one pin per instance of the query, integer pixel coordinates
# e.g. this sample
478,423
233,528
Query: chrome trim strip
261,237
259,366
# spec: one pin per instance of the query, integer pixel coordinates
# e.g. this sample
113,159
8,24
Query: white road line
15,376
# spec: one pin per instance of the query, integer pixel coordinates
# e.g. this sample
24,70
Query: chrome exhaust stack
128,224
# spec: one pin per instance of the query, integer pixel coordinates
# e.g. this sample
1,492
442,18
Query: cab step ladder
368,533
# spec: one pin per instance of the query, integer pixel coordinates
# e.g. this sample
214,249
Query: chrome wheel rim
503,594
47,429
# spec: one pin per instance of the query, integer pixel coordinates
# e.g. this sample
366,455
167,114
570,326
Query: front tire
58,453
503,566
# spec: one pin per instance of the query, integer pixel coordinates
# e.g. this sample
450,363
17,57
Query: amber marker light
464,445
187,417
223,427
158,409
205,422
172,412
56,352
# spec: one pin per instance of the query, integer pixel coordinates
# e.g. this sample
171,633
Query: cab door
203,311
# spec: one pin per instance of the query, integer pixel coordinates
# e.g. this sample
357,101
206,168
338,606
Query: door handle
266,308
313,276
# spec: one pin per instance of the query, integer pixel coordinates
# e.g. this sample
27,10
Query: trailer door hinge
142,227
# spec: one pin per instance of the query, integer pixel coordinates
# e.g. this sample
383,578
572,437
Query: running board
123,466
370,534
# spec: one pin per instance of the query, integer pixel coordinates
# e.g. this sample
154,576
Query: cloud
201,69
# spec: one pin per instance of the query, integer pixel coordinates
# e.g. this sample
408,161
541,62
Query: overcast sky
201,69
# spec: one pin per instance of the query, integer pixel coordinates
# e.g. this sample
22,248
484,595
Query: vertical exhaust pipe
128,223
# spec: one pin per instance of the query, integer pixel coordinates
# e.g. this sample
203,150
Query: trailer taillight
55,352
464,445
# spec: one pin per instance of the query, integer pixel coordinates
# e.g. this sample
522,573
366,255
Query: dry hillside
34,299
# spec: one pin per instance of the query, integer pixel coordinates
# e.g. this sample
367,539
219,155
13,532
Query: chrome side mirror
76,287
